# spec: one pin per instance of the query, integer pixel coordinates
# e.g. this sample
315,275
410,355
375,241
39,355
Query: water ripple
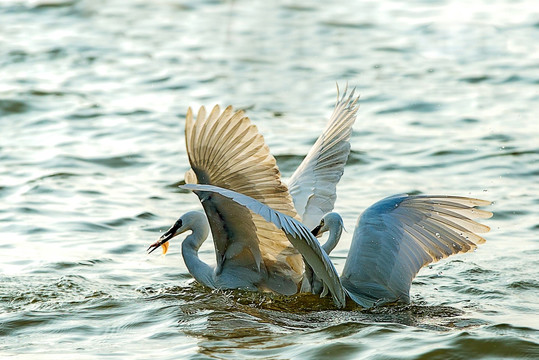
92,105
423,107
8,106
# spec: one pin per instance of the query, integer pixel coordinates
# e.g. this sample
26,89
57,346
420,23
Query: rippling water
92,101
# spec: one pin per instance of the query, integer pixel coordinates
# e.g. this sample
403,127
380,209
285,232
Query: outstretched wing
398,235
225,149
312,185
297,233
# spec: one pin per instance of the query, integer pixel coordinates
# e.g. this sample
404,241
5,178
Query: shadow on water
241,316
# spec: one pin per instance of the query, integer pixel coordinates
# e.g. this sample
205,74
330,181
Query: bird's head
175,230
189,221
329,221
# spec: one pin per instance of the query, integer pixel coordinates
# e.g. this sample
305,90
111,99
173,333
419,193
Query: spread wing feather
225,149
297,233
313,184
398,235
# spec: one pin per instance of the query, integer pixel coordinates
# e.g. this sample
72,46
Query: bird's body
260,243
397,236
226,150
393,240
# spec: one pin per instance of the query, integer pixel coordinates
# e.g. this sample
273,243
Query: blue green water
92,102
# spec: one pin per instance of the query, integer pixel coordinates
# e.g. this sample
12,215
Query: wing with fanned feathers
398,235
297,233
313,184
225,149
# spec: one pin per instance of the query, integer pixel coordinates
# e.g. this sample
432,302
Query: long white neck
335,231
311,282
201,271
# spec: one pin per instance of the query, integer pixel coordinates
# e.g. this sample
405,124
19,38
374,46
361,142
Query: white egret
393,240
226,150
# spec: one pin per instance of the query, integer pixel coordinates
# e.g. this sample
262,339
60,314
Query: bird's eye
322,222
178,223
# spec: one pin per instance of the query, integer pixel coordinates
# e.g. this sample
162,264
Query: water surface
92,102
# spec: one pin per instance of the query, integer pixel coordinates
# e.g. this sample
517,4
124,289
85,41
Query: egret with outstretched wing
226,150
397,236
393,240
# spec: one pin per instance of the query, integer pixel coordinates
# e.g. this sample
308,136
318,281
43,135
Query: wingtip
188,118
487,214
481,239
481,202
201,113
349,99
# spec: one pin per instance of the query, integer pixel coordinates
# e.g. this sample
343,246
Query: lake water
92,102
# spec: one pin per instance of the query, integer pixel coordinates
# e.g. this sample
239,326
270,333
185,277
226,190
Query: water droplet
437,235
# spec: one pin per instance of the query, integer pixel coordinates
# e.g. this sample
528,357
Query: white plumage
393,240
260,243
226,150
